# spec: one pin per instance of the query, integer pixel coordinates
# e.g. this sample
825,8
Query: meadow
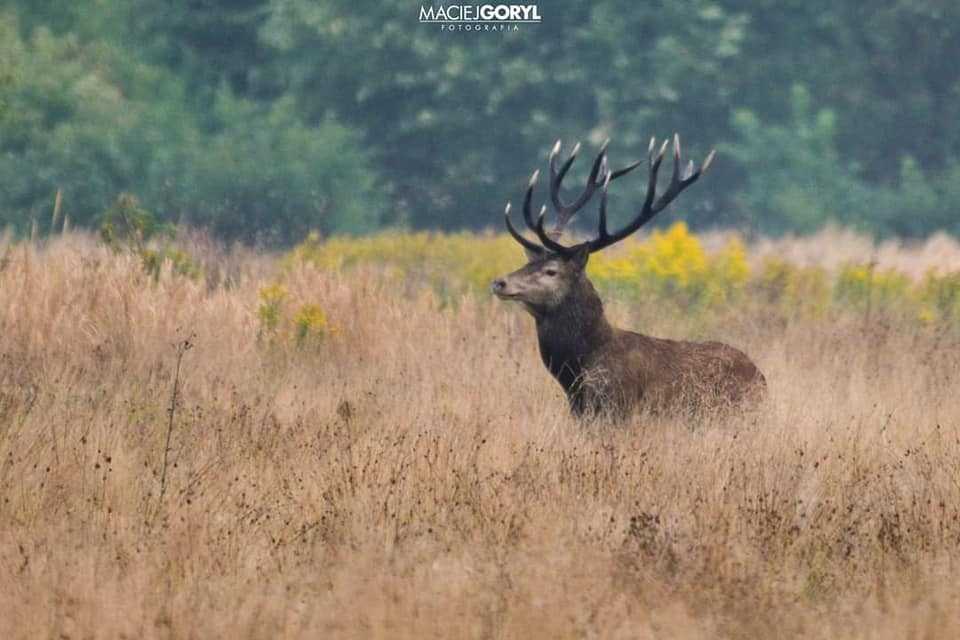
352,439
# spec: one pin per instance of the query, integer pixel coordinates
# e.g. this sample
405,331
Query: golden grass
414,473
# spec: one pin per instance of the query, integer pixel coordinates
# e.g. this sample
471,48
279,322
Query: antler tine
545,238
527,199
537,227
679,182
627,169
557,175
526,244
564,211
676,158
708,161
651,204
598,173
655,161
602,223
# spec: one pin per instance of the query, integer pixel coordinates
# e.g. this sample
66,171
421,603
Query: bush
864,287
282,323
262,175
92,121
673,264
127,226
794,177
71,125
939,296
794,290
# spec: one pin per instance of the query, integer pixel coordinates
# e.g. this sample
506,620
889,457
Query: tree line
264,119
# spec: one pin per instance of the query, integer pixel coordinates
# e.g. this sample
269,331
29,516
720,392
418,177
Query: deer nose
498,285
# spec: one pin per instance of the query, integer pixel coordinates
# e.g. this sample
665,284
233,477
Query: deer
605,370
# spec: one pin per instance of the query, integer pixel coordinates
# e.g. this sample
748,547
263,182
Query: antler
680,180
533,247
599,175
599,170
600,178
528,218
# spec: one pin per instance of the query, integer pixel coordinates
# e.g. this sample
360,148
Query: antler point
708,161
663,148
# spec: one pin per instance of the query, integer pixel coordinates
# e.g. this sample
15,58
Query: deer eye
550,272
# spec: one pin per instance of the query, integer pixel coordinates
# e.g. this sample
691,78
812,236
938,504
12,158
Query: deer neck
571,332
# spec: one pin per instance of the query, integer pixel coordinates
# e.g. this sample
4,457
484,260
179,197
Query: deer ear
580,256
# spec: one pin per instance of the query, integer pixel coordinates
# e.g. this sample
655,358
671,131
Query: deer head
555,270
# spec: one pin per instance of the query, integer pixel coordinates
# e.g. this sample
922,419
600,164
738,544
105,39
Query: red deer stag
601,368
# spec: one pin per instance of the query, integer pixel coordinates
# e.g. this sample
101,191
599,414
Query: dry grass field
415,474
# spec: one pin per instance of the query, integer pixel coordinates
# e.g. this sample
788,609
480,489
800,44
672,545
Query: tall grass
412,471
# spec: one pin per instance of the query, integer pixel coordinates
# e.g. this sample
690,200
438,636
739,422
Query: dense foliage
264,119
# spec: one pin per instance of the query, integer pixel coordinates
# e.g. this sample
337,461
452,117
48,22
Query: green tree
183,103
264,175
87,118
795,179
458,121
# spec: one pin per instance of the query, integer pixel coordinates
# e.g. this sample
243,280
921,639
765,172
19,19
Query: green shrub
127,226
